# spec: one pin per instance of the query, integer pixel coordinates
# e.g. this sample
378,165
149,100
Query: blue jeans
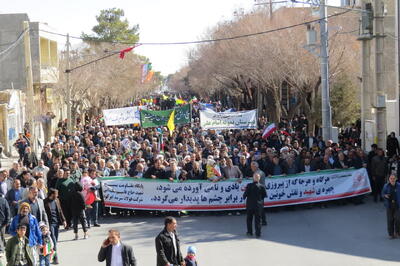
93,214
44,260
54,234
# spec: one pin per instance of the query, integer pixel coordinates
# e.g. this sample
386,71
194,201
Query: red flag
285,133
126,50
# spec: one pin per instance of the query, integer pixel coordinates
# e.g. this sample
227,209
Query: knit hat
24,204
42,224
191,249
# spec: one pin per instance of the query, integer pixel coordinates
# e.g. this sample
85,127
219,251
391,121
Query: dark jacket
379,166
11,251
46,203
254,195
338,165
77,203
159,173
302,167
128,258
197,175
392,146
30,160
4,212
165,249
386,190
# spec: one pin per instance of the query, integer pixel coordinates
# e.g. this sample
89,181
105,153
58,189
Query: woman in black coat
78,207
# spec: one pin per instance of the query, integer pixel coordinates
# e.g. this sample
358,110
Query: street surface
339,235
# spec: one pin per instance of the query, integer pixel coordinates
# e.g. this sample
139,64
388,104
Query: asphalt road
338,235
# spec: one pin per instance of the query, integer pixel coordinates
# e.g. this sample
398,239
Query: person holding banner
254,195
391,196
155,172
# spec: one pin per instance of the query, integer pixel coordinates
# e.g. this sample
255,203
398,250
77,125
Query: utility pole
270,9
324,59
68,71
380,99
366,30
30,110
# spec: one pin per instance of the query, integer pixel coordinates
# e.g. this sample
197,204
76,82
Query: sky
159,21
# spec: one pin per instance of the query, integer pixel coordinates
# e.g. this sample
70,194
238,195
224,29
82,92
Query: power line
193,42
208,40
12,45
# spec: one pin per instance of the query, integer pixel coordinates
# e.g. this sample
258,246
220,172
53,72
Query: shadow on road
352,230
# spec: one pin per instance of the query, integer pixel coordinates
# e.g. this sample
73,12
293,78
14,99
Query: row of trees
110,82
269,64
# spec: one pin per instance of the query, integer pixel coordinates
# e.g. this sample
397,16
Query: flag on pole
171,123
145,71
217,170
269,130
149,75
126,50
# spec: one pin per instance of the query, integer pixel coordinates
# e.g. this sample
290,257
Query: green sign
148,118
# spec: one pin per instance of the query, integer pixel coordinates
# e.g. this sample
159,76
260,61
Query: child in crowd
190,259
48,246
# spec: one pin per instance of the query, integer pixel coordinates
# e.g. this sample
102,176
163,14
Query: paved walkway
338,235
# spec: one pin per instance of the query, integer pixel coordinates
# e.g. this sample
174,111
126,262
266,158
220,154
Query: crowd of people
61,187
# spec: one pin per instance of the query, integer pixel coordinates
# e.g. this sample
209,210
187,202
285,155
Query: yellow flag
171,122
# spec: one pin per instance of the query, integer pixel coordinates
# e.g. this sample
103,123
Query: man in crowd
157,171
42,168
114,252
36,205
30,159
168,245
65,187
5,216
379,172
391,196
13,196
55,216
254,195
232,171
25,218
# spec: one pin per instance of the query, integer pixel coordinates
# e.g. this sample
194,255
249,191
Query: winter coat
165,249
35,236
12,248
386,190
77,203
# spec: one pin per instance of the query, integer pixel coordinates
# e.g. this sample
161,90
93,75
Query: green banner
148,118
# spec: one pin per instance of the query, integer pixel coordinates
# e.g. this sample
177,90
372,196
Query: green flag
150,118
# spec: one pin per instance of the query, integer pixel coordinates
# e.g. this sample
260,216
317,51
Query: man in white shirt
114,252
42,168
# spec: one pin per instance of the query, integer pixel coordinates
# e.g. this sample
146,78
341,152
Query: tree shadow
352,230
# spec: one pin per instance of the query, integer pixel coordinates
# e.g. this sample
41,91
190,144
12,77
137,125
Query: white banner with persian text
228,120
131,193
122,116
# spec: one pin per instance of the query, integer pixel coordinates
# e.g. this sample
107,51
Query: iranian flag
268,130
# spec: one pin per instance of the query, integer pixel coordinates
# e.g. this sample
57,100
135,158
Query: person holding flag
271,128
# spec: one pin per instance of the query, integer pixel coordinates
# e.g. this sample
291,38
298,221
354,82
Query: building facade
47,106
